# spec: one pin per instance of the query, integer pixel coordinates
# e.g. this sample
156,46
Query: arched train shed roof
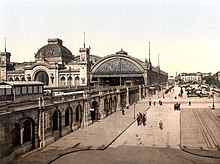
119,63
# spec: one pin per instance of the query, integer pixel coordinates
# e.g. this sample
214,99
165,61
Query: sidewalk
96,136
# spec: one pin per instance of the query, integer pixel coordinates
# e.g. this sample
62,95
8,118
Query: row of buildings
56,66
192,77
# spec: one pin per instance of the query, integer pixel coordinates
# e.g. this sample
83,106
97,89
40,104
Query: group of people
141,118
160,102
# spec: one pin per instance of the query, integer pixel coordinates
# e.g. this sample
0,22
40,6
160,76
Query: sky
184,35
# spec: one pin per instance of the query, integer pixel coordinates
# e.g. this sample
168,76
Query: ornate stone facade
54,65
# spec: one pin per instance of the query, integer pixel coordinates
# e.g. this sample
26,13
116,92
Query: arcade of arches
58,121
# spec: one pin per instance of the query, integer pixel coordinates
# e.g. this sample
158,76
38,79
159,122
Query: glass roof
117,66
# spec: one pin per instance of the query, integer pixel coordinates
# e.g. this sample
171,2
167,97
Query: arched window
27,134
69,81
17,79
62,81
10,79
77,81
23,79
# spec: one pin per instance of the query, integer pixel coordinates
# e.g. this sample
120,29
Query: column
118,100
127,98
139,92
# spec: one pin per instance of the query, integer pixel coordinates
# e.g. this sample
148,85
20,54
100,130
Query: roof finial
84,41
5,44
149,51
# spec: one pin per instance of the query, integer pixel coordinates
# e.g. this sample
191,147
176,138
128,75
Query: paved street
118,139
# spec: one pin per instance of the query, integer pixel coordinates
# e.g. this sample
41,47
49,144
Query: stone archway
56,124
55,120
42,76
94,111
110,105
79,114
68,116
115,104
106,105
27,131
28,126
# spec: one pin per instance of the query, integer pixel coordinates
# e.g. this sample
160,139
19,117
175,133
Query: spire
84,45
5,44
158,60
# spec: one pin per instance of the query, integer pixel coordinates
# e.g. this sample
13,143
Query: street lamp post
213,104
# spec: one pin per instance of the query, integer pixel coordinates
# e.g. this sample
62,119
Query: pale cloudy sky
186,33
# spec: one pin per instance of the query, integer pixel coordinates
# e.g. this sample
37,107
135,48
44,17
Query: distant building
206,74
190,77
171,80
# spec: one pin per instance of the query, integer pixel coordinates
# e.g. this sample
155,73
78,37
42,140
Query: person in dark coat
138,119
144,119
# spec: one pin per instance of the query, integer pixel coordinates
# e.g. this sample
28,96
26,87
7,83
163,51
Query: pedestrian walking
138,119
189,103
123,111
144,119
154,103
141,118
161,125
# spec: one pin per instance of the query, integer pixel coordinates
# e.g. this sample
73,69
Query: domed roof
122,52
55,51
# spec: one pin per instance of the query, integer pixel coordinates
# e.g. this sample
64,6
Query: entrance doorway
42,76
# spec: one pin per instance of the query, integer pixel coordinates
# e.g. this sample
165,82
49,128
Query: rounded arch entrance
94,111
68,116
106,105
28,128
42,76
79,114
116,69
110,105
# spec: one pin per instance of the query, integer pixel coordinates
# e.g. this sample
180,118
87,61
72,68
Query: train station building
56,66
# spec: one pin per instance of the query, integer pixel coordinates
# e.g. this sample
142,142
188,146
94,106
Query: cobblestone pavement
118,131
